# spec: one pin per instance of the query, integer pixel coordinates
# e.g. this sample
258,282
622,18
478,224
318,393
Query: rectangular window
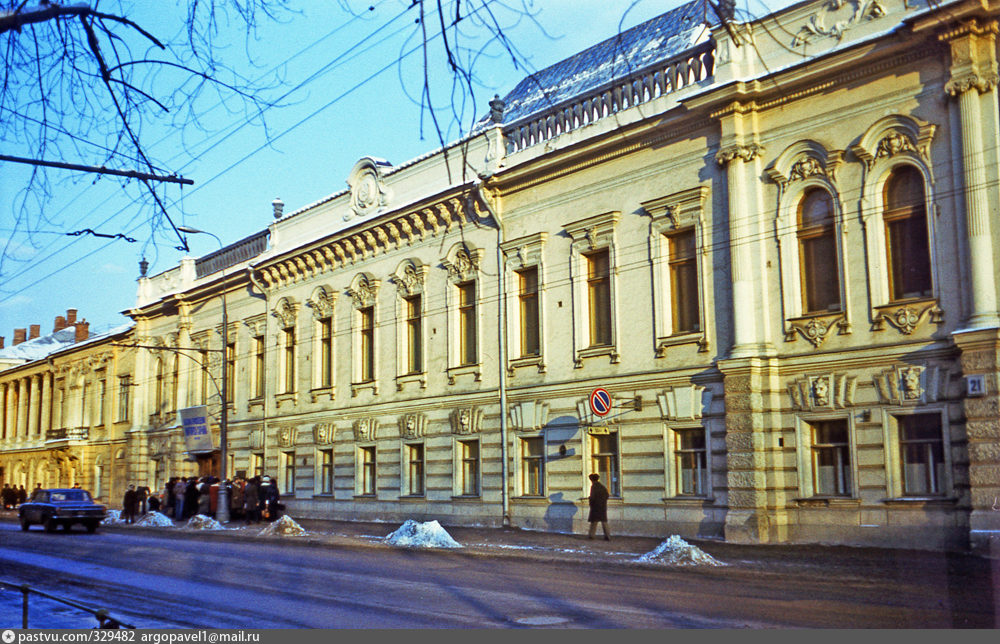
604,460
528,312
414,334
288,467
289,359
415,470
205,393
102,398
175,384
368,470
326,471
467,323
230,371
325,352
469,452
84,406
367,315
922,453
533,466
258,366
683,282
257,464
599,297
690,459
831,458
124,397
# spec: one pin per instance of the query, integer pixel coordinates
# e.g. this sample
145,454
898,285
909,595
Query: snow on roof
655,40
43,346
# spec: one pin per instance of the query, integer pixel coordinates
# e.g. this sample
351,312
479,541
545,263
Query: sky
347,97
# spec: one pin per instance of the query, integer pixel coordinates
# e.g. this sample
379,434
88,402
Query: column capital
973,56
747,152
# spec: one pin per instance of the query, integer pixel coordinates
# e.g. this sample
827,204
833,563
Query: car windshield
64,496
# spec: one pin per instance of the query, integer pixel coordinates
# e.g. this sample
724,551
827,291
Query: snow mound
677,552
283,527
202,522
113,517
422,535
155,520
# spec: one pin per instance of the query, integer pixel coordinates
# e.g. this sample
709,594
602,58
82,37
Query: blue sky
349,105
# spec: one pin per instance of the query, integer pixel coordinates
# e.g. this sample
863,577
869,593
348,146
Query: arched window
907,245
158,406
820,276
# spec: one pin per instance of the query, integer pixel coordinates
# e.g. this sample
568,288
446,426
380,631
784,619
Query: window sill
412,497
358,387
531,499
827,502
917,502
320,393
289,397
402,381
689,501
466,497
323,496
365,496
254,403
474,369
695,337
905,315
592,352
525,361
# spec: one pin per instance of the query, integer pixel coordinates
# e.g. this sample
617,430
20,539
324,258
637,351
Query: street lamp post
222,513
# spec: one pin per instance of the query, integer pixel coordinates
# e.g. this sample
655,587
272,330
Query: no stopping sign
600,402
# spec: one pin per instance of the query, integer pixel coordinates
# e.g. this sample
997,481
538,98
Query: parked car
61,507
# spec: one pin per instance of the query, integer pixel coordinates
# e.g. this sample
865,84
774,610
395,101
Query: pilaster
33,406
22,409
46,411
980,356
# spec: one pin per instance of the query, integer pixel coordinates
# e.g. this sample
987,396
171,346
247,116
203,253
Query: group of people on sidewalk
182,497
13,496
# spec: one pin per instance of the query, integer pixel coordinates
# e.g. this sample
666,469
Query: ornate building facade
770,242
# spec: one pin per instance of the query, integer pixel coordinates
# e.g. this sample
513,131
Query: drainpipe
501,342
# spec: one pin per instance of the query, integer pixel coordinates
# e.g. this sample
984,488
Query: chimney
82,331
60,324
1,341
34,331
70,317
20,335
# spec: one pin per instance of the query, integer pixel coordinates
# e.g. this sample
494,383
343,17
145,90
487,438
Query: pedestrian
204,497
8,501
154,503
270,498
251,499
130,504
143,494
598,507
191,498
22,495
180,491
236,498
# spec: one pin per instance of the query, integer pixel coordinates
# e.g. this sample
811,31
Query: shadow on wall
559,515
562,438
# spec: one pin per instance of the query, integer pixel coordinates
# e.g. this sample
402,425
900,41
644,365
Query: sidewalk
621,550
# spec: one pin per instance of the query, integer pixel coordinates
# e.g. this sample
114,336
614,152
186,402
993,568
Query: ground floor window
690,462
326,471
604,460
414,454
469,467
831,460
533,466
368,471
288,469
257,464
921,451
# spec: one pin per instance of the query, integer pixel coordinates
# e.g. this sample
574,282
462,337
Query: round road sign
600,402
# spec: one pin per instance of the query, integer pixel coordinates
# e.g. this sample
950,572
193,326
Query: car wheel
91,526
51,524
25,524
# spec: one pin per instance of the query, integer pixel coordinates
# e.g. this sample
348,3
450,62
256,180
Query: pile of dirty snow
283,527
202,522
422,535
155,520
113,517
677,552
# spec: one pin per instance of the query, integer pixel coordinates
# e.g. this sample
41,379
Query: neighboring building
770,242
65,408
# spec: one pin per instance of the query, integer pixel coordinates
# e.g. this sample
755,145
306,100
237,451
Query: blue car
61,507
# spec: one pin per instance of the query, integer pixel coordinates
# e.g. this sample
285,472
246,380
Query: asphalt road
171,581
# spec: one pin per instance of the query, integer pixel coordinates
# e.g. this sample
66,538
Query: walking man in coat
130,504
598,507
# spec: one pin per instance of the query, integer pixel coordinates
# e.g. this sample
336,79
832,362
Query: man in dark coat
130,504
598,507
251,499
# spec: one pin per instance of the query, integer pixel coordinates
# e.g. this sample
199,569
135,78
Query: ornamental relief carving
324,433
816,329
463,262
255,325
410,277
689,402
906,317
365,429
806,167
412,426
321,302
363,290
892,136
367,186
747,153
286,436
892,144
467,420
913,384
529,416
857,11
285,310
981,82
827,391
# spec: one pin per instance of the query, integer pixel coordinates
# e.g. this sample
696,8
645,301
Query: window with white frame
818,252
690,462
258,366
410,278
325,472
683,269
605,461
102,396
830,457
525,301
907,245
288,472
413,469
366,480
532,465
288,366
592,261
468,469
257,464
364,321
529,325
175,384
414,345
922,460
124,397
324,354
468,346
461,301
366,351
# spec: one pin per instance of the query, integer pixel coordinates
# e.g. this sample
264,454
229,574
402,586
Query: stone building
769,242
66,408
